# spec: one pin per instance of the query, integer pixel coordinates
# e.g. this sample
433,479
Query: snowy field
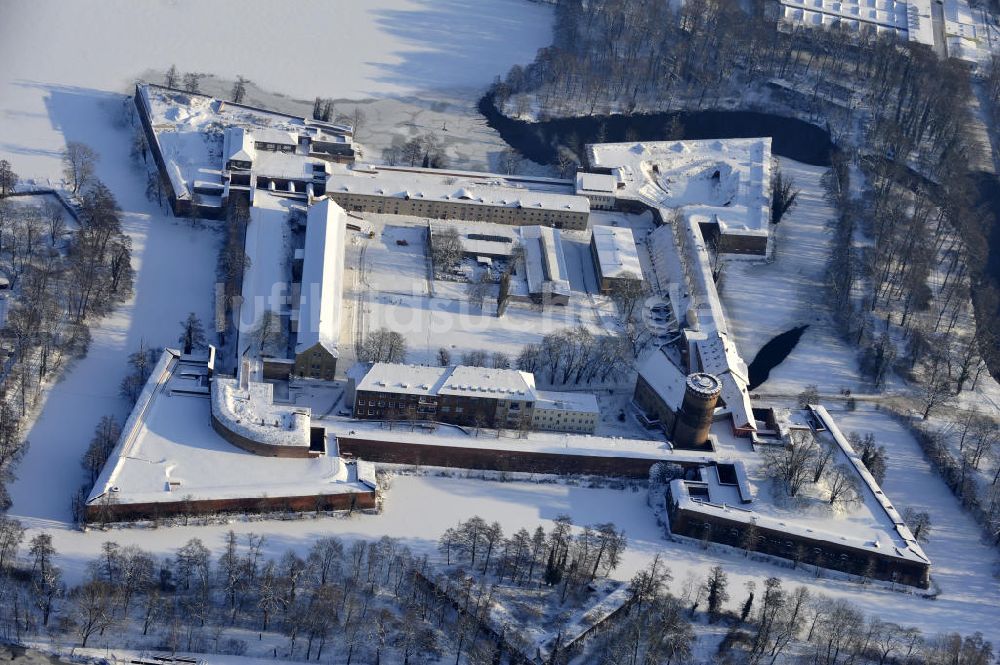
517,504
763,300
376,47
72,91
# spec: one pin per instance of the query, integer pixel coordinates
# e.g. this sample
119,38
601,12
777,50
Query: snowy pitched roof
434,188
238,145
616,251
265,282
455,380
488,382
320,304
718,355
664,377
544,260
403,379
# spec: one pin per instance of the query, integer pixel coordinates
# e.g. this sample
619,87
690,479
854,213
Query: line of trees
807,462
554,559
426,150
59,281
575,356
372,601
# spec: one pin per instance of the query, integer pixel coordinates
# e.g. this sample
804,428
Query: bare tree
239,91
192,81
192,334
783,195
627,291
843,485
919,522
809,396
172,77
79,161
55,219
383,346
443,357
791,465
8,179
446,249
92,609
269,336
510,161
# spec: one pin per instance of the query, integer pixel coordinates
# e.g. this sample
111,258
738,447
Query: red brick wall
260,504
478,455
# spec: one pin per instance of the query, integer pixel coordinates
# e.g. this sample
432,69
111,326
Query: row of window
460,211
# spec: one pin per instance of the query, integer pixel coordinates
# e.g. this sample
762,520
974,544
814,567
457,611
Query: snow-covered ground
57,86
175,274
763,300
394,288
419,508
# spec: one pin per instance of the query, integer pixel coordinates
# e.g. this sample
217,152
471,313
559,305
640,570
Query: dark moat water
773,354
538,141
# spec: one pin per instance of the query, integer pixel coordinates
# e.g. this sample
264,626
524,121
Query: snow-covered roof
616,251
453,380
403,379
872,492
265,282
718,355
595,183
725,180
488,382
664,377
251,413
544,260
238,145
196,137
872,524
320,304
561,400
272,135
433,188
168,450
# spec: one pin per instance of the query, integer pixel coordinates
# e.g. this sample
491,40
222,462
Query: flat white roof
597,183
169,451
321,296
560,400
616,251
725,181
271,135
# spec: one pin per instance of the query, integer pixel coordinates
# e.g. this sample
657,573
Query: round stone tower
701,394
